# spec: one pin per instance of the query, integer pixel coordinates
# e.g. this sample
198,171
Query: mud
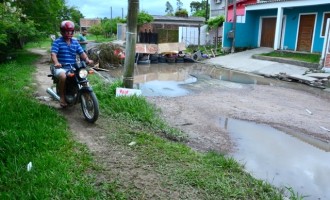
198,113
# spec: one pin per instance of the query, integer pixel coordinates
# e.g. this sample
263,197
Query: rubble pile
315,78
107,55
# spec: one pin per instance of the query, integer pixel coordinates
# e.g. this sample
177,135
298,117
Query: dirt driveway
198,114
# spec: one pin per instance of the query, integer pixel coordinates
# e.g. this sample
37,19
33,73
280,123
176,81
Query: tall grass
133,109
36,133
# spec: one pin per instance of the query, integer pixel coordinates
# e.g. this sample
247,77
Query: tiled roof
89,22
173,18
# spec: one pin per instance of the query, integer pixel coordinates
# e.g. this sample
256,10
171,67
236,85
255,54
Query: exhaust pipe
53,94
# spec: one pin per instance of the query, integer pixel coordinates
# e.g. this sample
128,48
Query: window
325,17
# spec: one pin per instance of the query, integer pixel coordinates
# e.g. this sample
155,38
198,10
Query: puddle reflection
281,159
165,79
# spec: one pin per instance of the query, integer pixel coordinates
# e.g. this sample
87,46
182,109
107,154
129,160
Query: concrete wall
189,35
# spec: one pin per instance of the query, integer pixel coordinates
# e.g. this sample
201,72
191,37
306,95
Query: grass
42,43
65,169
307,57
36,133
97,38
213,175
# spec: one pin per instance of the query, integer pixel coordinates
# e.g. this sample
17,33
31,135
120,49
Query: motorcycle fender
83,90
86,89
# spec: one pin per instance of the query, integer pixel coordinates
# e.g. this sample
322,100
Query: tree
179,5
181,13
15,28
215,23
23,21
110,25
198,9
196,6
96,30
169,9
46,14
144,18
74,15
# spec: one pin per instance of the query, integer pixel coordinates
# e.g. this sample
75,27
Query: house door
268,32
306,30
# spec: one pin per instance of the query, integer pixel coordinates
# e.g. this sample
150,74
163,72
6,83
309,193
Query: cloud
102,8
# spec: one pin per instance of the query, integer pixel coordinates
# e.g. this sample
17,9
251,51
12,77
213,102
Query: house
240,9
166,29
217,7
297,25
164,35
87,23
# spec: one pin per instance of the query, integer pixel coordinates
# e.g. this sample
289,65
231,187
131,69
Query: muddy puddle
165,79
284,160
281,159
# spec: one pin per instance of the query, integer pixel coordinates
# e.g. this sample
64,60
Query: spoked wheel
89,106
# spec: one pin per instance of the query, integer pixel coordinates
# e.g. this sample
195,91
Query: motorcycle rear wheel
89,106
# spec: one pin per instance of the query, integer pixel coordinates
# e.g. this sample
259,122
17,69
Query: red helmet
67,29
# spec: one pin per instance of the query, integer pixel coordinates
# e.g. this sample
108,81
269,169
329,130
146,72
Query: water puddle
165,79
165,88
281,159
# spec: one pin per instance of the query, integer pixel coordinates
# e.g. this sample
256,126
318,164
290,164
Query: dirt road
198,114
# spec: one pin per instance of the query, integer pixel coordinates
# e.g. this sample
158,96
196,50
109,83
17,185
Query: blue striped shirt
66,54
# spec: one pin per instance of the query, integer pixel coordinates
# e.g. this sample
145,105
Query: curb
287,61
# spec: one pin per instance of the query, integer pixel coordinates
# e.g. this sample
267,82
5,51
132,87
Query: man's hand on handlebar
57,65
89,62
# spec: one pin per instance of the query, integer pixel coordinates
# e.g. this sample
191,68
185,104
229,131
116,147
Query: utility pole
207,10
133,8
234,28
226,10
111,12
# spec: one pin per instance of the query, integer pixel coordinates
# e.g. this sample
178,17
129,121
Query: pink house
240,8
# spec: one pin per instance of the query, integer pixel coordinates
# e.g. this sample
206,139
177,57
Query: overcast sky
102,8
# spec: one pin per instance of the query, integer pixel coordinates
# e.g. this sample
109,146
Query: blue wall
292,17
247,33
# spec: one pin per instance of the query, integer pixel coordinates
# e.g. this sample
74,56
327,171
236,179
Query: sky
103,8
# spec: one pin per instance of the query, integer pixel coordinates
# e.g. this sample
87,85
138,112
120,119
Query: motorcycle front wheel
89,106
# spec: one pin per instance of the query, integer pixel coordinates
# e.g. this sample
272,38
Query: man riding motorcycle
63,52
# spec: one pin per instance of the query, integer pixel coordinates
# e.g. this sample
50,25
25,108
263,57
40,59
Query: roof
180,21
89,22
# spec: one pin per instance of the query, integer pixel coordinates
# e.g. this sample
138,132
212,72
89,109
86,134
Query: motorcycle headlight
83,73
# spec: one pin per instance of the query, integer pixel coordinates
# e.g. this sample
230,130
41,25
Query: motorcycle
77,90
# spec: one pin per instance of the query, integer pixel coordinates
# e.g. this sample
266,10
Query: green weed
307,57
